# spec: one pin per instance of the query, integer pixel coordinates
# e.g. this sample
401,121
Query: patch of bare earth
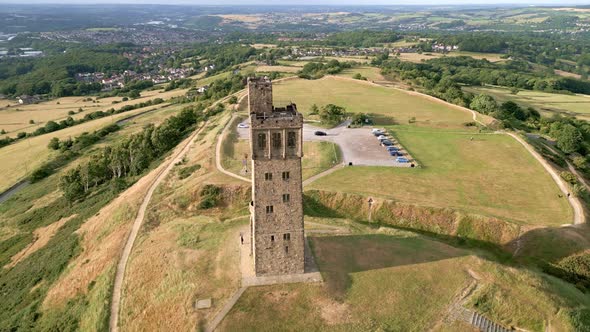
41,236
333,312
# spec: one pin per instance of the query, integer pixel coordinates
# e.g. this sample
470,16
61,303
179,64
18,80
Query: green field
359,96
492,175
547,103
401,282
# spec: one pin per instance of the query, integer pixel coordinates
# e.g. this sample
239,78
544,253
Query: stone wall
285,218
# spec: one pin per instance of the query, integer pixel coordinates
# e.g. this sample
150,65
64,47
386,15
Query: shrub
332,114
53,143
569,177
210,195
185,172
20,135
579,162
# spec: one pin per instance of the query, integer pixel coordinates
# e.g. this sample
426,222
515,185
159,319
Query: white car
382,137
243,125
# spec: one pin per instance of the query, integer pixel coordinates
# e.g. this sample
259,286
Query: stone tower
277,207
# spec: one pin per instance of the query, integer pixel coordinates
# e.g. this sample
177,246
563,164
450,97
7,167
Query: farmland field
284,69
415,57
545,102
359,96
16,118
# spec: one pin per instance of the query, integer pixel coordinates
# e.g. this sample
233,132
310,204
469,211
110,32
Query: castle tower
277,202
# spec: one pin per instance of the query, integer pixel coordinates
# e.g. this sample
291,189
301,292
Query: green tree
314,110
332,114
569,138
53,143
233,100
483,103
71,184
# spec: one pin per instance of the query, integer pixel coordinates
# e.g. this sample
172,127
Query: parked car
402,160
386,142
243,125
382,137
379,133
392,148
395,153
320,133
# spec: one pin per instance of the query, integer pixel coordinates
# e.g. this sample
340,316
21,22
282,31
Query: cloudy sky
315,2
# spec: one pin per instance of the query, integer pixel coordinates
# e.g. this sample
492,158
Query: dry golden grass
41,237
415,57
284,69
165,277
180,257
241,18
102,239
567,74
261,46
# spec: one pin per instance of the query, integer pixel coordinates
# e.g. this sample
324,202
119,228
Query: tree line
315,70
129,157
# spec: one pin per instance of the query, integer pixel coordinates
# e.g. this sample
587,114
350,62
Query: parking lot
358,145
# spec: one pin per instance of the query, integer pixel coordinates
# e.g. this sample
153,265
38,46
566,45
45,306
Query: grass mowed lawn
363,97
548,103
492,175
399,281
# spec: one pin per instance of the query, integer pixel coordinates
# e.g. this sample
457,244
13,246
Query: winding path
122,264
579,217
